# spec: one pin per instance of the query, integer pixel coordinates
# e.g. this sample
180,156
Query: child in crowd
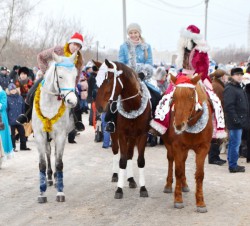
15,107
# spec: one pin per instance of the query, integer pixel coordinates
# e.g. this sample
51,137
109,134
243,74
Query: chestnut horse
190,128
119,83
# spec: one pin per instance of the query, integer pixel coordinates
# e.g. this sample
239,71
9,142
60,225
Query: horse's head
185,100
109,84
61,77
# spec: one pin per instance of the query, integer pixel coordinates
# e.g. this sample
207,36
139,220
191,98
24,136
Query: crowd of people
17,89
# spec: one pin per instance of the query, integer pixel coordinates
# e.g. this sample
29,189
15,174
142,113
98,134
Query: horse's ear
172,78
97,63
109,65
56,58
73,56
196,77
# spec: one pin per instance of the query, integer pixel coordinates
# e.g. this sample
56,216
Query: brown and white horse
190,128
119,83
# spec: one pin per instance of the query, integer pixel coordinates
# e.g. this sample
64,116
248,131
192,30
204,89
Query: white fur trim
190,35
76,41
120,183
129,169
115,168
221,134
141,177
157,126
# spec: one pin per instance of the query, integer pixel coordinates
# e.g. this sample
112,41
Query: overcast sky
160,20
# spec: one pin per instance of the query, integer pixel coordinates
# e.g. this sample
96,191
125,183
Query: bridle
60,95
117,77
196,107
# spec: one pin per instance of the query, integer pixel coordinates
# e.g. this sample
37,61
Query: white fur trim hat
133,26
191,32
76,38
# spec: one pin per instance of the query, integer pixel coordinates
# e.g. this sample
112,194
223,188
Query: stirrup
110,127
21,119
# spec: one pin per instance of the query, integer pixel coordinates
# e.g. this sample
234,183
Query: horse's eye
60,77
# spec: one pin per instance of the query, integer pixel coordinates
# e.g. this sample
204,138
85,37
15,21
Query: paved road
90,194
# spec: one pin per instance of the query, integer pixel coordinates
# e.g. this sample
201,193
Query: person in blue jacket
137,54
5,134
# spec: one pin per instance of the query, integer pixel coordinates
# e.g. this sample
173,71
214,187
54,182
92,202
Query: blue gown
5,134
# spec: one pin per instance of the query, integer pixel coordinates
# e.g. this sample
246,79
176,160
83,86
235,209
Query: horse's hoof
60,197
132,183
178,205
119,193
201,209
185,189
55,185
167,190
42,199
50,182
114,177
143,192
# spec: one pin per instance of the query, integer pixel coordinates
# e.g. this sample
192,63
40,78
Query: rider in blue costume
137,54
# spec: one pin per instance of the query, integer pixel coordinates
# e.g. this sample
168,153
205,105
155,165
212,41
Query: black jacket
92,87
236,106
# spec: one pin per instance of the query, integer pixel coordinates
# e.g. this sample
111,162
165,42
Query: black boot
21,119
110,127
23,147
79,126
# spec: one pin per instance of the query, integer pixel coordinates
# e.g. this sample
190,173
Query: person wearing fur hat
137,54
16,106
192,58
219,80
24,83
74,44
237,116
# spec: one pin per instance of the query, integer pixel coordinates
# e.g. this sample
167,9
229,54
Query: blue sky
160,20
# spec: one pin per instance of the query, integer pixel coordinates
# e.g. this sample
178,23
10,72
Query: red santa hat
191,32
76,38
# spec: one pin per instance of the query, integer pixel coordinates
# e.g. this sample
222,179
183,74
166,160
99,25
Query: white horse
51,119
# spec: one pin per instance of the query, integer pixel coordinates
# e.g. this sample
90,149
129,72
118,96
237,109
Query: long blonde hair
145,50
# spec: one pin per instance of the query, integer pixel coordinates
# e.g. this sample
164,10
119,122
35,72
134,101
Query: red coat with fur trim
200,63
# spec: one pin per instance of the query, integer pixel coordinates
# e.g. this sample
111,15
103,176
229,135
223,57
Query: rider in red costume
192,58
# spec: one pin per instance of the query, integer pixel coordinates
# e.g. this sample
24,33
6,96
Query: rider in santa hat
74,44
192,58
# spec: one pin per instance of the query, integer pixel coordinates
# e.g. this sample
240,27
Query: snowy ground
90,194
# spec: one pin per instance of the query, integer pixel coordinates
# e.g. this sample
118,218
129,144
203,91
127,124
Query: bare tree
13,15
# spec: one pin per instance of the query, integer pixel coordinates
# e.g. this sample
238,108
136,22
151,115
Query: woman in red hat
74,44
192,58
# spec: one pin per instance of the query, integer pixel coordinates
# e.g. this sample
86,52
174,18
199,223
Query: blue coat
5,134
139,50
15,107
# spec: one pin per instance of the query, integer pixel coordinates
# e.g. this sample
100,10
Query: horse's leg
201,154
42,198
123,165
178,159
129,169
49,170
115,149
185,187
59,146
141,164
169,179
